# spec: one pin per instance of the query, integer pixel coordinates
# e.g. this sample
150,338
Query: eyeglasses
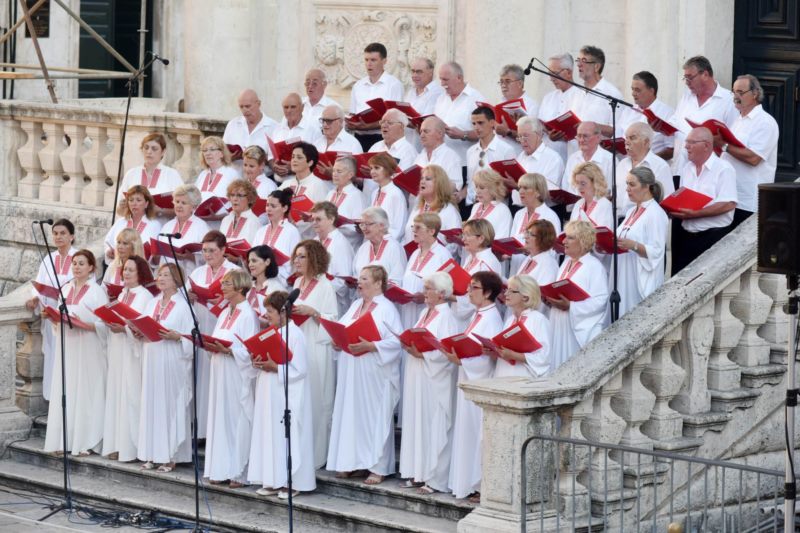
481,155
206,150
226,283
365,224
328,121
742,93
692,77
389,122
585,61
504,82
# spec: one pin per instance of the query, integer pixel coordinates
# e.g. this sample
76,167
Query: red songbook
503,111
207,340
51,313
685,198
204,294
417,121
560,196
211,206
718,127
362,161
558,244
421,339
343,336
515,338
510,169
239,248
460,277
350,281
217,309
267,345
113,290
280,257
410,247
343,221
453,236
163,200
659,124
408,179
148,327
123,310
47,291
299,320
107,315
372,114
260,207
235,150
507,246
567,123
604,240
405,107
282,151
301,205
619,144
398,295
566,288
463,346
328,159
161,248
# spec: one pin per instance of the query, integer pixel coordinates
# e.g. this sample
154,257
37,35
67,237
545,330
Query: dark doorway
766,43
117,21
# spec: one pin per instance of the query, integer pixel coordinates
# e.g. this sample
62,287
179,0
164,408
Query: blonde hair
529,289
430,221
482,228
538,183
132,237
594,174
583,231
492,181
214,142
442,188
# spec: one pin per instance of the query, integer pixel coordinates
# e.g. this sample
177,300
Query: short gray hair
533,122
643,129
755,86
191,192
564,60
337,109
516,70
350,162
377,215
398,115
457,69
442,282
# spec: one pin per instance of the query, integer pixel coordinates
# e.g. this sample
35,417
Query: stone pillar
634,403
14,424
50,159
29,159
724,374
664,378
694,349
189,162
752,307
30,369
775,329
72,164
94,167
11,139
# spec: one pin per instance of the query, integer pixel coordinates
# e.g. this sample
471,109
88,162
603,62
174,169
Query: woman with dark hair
540,264
137,211
85,365
305,182
63,232
264,271
124,384
387,195
279,233
465,466
155,176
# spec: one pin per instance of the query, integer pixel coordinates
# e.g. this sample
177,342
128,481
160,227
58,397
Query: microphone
48,221
529,68
157,57
294,295
170,235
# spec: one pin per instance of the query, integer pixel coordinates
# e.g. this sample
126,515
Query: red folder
405,107
421,339
161,248
685,198
362,161
410,247
207,340
148,327
510,169
217,309
417,121
55,316
52,313
239,248
517,338
267,345
567,123
604,241
204,294
619,143
453,236
123,310
460,277
108,316
398,295
718,127
328,158
343,336
507,246
113,290
280,257
372,114
566,288
560,196
463,346
282,150
299,320
235,150
659,124
503,109
260,207
409,179
301,205
45,290
350,281
210,206
558,244
163,200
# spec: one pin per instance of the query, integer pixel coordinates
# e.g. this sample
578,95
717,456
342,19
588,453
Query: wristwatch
464,137
725,147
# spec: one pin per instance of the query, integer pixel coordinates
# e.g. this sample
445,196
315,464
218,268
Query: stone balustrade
704,355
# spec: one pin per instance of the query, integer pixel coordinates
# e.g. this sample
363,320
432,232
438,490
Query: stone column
50,159
724,374
14,424
29,159
72,164
94,167
11,139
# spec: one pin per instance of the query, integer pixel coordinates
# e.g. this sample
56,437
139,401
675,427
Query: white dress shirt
717,179
554,104
423,104
387,87
659,167
544,161
497,150
445,157
314,112
237,132
344,142
458,114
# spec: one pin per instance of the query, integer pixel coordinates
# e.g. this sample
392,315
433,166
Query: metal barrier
602,487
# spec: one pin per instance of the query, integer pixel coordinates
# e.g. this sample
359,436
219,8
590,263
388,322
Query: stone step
124,483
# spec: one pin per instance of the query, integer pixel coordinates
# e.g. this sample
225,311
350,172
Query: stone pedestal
14,423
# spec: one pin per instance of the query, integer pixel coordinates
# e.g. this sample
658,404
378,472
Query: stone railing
704,353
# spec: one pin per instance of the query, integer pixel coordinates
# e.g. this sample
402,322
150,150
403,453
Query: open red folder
113,290
503,110
398,295
259,207
280,257
507,246
685,198
417,121
463,345
350,281
619,144
163,200
560,196
362,161
328,159
148,327
659,124
161,248
516,338
301,205
282,150
409,179
372,114
421,339
116,313
566,288
204,294
718,127
343,336
410,247
207,340
405,107
453,236
211,206
604,240
510,169
460,277
567,123
267,345
239,248
45,290
53,314
217,309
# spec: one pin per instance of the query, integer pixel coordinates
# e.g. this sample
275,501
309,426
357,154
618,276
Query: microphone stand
196,339
613,102
287,415
64,313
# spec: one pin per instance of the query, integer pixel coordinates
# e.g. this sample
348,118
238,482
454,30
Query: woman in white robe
387,195
231,382
268,446
533,194
254,161
165,436
63,232
378,247
137,211
435,196
429,380
240,223
317,300
522,299
593,207
264,271
216,175
323,217
124,382
490,193
185,199
465,465
576,323
304,182
85,366
128,243
477,256
540,263
643,234
349,201
279,233
367,387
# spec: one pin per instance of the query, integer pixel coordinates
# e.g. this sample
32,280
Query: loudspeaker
779,228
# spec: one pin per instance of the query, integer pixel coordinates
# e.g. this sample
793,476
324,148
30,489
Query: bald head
699,145
292,108
250,106
431,133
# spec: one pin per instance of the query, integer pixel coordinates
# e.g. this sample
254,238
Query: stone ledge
758,376
727,401
697,425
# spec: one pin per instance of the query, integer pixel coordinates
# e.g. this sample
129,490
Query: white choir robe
246,227
367,392
496,213
465,463
165,416
216,184
321,360
146,228
85,369
537,363
574,328
267,466
390,256
640,276
417,269
192,231
598,215
283,239
264,186
312,187
341,264
164,179
429,406
349,203
230,401
543,268
392,200
519,225
258,296
46,276
124,382
450,218
484,260
206,320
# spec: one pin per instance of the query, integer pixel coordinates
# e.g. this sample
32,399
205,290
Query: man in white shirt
644,89
422,95
759,133
512,86
393,125
315,100
638,139
705,173
334,138
455,107
559,101
489,148
249,129
587,106
376,84
703,99
588,138
293,126
536,156
436,152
